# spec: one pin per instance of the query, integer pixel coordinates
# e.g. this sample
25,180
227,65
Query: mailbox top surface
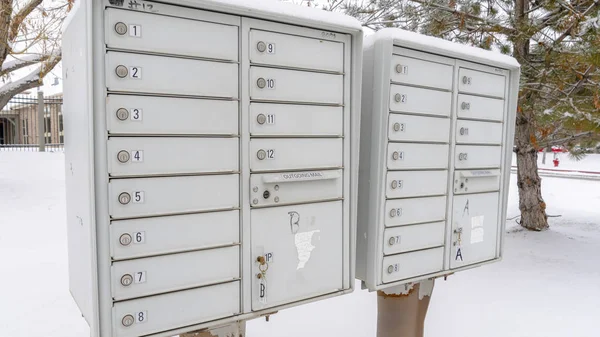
408,39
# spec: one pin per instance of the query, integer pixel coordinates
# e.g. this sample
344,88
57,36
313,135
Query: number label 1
270,48
141,317
138,197
137,156
136,114
135,73
135,30
139,237
139,277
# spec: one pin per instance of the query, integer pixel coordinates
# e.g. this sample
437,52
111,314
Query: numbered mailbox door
295,120
474,228
296,252
420,101
293,153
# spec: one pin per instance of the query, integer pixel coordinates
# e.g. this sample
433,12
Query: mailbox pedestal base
401,310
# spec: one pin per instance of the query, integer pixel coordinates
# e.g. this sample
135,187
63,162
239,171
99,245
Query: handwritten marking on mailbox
294,221
136,114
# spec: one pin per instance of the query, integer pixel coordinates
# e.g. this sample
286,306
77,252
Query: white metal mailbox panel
298,153
400,212
166,273
149,115
475,219
406,184
272,48
404,128
172,234
270,84
131,156
295,120
178,309
171,195
155,33
406,156
295,187
170,75
420,72
200,139
437,130
303,261
420,101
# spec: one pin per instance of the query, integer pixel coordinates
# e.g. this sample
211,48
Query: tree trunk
531,203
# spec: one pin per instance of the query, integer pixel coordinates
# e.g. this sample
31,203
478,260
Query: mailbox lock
390,269
261,83
127,320
465,106
126,280
123,156
396,126
261,119
255,201
121,71
394,184
462,156
122,114
392,241
397,97
276,199
266,194
399,68
121,28
261,260
124,198
395,155
261,154
261,46
125,239
466,80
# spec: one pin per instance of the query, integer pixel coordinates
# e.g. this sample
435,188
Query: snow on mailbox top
436,45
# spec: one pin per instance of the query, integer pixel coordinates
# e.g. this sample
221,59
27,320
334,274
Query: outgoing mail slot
476,107
170,116
143,197
400,212
403,156
420,101
267,119
414,237
406,184
302,246
164,312
282,85
172,234
477,156
475,219
472,132
407,265
160,274
295,51
476,181
418,129
131,156
295,154
420,72
168,75
295,187
480,83
141,31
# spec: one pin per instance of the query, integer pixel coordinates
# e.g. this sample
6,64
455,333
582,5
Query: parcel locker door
474,228
297,251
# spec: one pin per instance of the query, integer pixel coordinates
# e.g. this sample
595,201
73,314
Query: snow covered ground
547,285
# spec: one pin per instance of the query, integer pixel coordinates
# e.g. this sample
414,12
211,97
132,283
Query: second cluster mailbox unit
211,161
436,143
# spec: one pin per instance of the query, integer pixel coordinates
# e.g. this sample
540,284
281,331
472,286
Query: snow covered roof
443,47
284,12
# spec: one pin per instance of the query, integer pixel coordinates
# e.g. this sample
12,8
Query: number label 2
135,73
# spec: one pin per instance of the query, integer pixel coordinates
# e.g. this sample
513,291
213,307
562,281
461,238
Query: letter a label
458,254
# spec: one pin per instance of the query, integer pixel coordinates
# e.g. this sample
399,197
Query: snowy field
548,284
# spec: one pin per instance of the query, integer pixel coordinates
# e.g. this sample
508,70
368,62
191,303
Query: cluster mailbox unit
211,160
436,141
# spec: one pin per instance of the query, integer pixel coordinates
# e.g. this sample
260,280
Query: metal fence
32,123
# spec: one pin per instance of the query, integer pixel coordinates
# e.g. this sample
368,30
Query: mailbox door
406,156
161,274
403,128
476,181
295,51
173,310
270,84
475,223
420,101
136,156
414,237
413,264
170,75
420,72
481,83
476,156
295,120
400,212
406,184
302,247
477,107
149,115
295,154
130,198
472,132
